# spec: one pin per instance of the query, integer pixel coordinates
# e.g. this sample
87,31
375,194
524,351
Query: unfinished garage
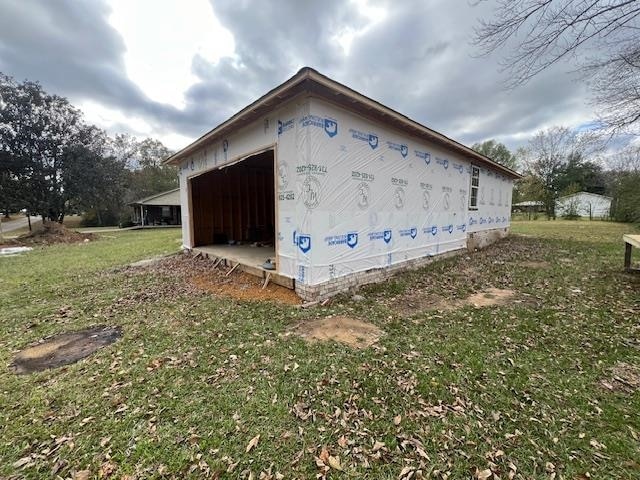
338,189
233,210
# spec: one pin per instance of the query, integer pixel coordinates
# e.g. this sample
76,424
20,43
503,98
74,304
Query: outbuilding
336,189
585,205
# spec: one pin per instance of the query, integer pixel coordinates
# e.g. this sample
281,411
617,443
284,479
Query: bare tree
602,35
547,155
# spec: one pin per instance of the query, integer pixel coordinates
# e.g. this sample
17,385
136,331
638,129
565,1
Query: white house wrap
356,189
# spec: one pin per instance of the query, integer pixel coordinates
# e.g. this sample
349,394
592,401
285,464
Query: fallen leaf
334,462
82,475
22,462
377,446
324,455
484,474
397,419
252,444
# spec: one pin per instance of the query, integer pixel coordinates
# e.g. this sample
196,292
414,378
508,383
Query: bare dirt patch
536,265
50,233
416,301
346,330
489,298
243,286
624,378
64,349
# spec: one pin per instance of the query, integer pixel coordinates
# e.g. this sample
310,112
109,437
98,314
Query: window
475,182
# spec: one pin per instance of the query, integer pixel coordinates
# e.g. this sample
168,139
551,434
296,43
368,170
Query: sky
173,70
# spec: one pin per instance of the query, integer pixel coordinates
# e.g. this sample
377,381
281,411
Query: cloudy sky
174,69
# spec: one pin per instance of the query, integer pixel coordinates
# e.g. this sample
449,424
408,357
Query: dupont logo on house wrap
447,228
409,232
285,126
363,194
426,156
311,192
350,239
370,138
459,167
399,198
472,221
329,125
462,227
426,200
385,235
403,149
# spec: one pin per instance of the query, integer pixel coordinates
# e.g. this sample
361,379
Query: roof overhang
168,198
310,82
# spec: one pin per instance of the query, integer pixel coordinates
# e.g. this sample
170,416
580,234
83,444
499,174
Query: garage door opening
233,210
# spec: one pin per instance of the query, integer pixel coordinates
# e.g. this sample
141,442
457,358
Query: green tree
45,143
623,179
498,152
143,158
583,174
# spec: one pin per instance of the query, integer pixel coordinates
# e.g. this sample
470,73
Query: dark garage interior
236,203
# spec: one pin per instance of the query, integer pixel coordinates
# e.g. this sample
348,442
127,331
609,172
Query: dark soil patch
64,349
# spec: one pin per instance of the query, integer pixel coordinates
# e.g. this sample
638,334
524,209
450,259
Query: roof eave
286,91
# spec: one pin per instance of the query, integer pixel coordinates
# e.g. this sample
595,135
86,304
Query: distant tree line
52,163
559,161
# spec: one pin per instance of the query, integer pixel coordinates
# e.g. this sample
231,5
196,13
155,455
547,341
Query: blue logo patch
409,232
426,156
387,236
443,161
304,243
462,227
447,228
373,141
434,230
472,221
331,127
404,150
352,239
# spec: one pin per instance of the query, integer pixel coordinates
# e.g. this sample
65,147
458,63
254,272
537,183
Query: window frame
475,174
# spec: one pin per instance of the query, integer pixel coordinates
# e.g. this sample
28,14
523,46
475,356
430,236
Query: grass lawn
520,390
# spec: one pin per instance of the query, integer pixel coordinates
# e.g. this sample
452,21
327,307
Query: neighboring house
584,204
528,206
338,189
159,209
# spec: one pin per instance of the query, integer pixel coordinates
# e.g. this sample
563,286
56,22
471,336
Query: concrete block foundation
475,241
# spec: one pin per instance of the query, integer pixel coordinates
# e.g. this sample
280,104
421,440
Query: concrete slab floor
243,254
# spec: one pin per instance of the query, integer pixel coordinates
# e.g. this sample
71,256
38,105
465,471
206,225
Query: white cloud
161,39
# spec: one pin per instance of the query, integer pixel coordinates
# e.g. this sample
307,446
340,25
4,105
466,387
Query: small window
475,182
